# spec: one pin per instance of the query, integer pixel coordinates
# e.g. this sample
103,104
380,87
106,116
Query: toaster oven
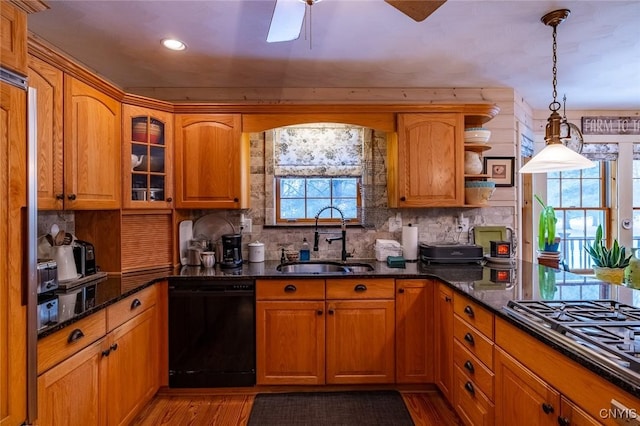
47,276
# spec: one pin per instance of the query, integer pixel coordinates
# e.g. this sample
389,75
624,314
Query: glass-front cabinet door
147,158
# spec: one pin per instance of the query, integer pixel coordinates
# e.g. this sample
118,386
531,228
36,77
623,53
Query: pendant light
555,156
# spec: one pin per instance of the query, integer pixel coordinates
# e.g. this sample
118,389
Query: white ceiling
360,43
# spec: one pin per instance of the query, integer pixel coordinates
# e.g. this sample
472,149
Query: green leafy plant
546,225
614,257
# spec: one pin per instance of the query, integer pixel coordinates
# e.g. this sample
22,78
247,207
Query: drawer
124,310
475,370
474,341
294,289
474,314
473,407
359,288
60,345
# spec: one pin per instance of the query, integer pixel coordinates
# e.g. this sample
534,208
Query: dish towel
395,262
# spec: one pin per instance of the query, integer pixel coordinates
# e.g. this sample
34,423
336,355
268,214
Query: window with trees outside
581,201
315,166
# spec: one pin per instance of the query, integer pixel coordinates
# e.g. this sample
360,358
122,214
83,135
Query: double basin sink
315,267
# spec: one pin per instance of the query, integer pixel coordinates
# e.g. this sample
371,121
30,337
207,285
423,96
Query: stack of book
549,258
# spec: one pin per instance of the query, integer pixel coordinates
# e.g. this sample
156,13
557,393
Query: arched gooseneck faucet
316,235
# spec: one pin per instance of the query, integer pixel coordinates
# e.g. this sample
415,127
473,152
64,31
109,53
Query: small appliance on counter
85,257
231,251
47,275
450,253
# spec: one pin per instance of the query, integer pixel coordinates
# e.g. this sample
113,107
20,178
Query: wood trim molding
30,6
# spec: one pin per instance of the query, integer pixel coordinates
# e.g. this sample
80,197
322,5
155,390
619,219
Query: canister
256,252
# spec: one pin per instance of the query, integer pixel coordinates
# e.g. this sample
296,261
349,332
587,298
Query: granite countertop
490,286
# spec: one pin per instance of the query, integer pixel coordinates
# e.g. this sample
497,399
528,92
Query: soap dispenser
305,251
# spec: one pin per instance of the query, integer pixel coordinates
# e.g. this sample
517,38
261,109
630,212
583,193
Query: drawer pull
563,421
547,408
290,288
469,338
469,311
360,288
469,387
469,366
135,304
75,335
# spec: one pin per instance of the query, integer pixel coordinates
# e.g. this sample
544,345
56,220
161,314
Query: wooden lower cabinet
473,406
572,415
360,336
414,330
74,392
290,342
521,396
444,340
109,381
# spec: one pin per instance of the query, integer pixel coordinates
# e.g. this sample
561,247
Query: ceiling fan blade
418,10
286,21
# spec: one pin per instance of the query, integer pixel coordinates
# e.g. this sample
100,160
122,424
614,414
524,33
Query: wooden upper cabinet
13,39
147,158
212,162
48,82
92,148
427,165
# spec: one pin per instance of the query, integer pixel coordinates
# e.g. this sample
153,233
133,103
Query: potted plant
547,240
609,263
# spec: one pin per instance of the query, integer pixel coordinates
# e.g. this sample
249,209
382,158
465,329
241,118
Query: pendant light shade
556,157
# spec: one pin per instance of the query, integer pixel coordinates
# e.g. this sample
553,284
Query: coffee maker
231,251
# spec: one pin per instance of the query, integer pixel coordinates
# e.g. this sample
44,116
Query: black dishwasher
211,333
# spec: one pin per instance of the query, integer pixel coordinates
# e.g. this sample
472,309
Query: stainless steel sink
323,268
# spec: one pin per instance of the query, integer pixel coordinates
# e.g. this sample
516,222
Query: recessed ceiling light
173,44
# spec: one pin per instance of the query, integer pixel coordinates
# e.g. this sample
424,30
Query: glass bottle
305,251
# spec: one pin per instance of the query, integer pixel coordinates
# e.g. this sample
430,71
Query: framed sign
500,170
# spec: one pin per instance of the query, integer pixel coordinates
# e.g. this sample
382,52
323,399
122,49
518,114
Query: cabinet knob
331,312
469,366
547,408
71,197
290,288
401,290
563,421
106,352
403,198
469,338
169,200
319,312
235,200
447,299
75,335
469,387
469,311
113,347
59,196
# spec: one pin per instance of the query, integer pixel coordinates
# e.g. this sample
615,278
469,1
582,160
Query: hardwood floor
427,408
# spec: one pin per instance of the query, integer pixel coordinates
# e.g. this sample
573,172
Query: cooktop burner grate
605,327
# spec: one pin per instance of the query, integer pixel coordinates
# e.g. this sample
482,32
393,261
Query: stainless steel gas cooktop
604,329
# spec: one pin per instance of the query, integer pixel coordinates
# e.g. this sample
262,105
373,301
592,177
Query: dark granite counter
492,287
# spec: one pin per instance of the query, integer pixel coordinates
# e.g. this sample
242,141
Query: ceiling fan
288,15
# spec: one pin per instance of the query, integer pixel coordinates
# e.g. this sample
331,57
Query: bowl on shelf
151,163
139,132
476,135
478,192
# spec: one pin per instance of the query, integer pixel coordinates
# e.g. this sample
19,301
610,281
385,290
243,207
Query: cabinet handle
469,338
447,299
469,311
319,312
547,408
169,200
135,304
401,290
563,421
403,198
59,196
469,387
469,366
75,335
330,311
290,288
360,288
71,197
235,200
106,352
113,347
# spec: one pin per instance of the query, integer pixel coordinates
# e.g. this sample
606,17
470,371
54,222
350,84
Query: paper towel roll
410,242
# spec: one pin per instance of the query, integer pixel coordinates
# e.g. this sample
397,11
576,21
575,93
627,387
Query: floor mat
383,408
